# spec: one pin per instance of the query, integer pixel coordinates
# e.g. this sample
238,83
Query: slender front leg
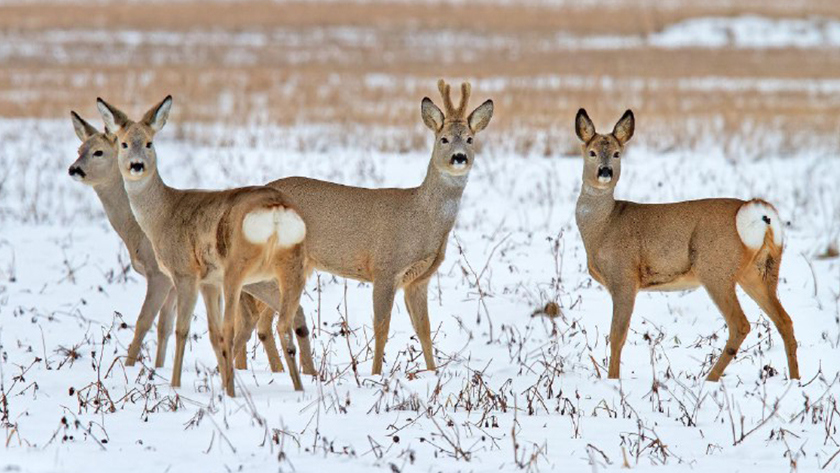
187,289
157,287
416,300
383,300
623,299
166,320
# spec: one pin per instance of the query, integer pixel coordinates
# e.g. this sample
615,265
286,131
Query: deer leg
302,333
724,297
623,299
213,302
166,320
764,294
230,343
268,293
187,289
416,300
292,279
384,290
248,315
265,333
157,287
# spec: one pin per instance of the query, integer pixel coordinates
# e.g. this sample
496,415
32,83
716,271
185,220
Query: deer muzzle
459,160
605,174
136,167
76,173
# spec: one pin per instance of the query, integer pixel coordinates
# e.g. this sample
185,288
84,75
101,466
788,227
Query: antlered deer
395,238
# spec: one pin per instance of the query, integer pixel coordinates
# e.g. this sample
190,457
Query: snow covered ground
514,391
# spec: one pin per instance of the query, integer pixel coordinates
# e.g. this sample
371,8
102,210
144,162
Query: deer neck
593,211
150,199
441,194
114,200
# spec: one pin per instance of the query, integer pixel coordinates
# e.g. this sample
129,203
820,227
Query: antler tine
465,99
447,99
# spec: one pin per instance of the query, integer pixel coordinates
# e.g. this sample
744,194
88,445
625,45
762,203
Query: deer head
97,162
602,153
454,151
136,152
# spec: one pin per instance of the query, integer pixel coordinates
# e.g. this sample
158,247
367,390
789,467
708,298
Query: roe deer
714,243
97,168
213,240
395,238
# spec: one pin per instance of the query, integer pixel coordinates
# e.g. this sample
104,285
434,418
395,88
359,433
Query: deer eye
616,154
592,153
125,145
97,153
469,140
149,145
444,140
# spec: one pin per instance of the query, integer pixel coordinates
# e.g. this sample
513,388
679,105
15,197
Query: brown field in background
366,66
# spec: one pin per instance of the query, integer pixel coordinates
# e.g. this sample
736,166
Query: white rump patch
260,225
752,221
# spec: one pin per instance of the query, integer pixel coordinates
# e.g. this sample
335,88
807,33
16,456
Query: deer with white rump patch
395,238
214,241
714,243
97,167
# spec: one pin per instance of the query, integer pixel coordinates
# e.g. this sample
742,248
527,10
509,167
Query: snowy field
516,390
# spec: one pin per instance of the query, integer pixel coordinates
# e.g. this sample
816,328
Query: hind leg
291,278
248,313
269,293
212,302
230,339
763,292
724,297
302,333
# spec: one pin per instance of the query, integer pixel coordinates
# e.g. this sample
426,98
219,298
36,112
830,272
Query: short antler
453,113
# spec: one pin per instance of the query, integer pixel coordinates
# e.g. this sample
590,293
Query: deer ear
480,117
113,117
584,128
84,130
156,117
625,127
432,116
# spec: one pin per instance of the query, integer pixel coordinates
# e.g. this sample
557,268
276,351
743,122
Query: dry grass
370,64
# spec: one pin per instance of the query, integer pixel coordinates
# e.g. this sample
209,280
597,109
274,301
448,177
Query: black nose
605,172
139,167
459,158
75,170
